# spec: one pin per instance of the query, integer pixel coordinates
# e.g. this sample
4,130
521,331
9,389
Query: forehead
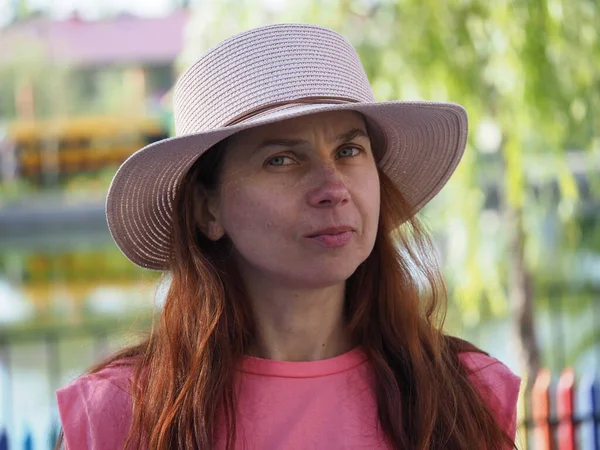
329,124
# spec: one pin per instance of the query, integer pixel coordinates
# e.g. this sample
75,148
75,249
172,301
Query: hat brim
422,142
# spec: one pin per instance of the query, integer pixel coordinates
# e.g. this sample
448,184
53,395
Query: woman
304,309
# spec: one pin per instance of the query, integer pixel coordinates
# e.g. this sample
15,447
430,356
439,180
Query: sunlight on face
299,199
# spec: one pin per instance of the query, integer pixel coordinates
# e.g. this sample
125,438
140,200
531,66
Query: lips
332,231
333,237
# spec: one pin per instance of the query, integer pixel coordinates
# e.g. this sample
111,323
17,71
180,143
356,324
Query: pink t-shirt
327,404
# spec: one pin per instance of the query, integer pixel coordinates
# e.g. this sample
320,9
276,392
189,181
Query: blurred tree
33,85
36,86
527,73
22,10
18,11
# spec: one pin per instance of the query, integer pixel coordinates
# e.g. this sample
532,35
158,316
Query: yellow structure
79,144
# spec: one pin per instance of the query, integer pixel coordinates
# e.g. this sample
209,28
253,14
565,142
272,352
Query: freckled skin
272,198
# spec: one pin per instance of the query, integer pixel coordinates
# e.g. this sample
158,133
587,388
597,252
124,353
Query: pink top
327,404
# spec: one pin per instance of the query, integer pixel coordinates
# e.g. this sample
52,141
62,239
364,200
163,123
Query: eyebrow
352,134
343,137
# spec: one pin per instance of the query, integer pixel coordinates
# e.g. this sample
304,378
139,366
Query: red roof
122,40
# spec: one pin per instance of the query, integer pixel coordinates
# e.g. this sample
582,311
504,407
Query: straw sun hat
264,76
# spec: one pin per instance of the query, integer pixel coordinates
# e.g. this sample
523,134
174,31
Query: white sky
91,9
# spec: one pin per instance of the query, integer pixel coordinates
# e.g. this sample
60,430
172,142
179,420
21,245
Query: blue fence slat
28,442
3,440
589,411
53,437
595,398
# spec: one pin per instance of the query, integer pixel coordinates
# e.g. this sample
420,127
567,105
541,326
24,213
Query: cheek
253,213
369,194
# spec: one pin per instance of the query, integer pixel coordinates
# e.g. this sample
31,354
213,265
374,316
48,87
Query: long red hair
183,373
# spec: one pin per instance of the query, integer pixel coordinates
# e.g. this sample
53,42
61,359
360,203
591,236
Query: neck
298,325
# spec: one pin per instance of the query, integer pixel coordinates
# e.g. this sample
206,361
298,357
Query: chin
329,276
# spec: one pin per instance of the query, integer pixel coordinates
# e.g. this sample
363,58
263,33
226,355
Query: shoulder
497,385
95,409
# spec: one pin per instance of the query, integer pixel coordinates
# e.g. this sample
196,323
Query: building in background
78,98
123,63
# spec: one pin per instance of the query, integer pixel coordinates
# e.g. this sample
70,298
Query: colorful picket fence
561,416
27,442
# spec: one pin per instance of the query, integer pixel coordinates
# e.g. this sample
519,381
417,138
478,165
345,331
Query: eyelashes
278,161
347,151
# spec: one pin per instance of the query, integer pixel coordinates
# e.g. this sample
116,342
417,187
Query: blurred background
85,83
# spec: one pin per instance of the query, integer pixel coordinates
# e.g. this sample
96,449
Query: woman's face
299,199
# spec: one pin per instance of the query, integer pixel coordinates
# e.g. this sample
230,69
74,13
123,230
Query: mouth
333,237
331,231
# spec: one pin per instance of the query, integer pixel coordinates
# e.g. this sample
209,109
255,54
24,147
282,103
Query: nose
330,190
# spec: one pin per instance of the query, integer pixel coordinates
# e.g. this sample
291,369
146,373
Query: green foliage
14,189
30,68
60,89
530,68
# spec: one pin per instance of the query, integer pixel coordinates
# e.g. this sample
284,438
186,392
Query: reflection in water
60,312
32,371
14,306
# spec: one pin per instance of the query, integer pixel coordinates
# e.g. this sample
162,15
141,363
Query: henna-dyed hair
183,373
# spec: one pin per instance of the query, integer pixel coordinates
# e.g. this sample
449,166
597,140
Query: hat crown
266,67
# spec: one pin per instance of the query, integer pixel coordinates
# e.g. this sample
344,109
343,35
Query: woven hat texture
263,76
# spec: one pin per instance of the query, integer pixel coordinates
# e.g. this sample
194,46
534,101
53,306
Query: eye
280,160
348,151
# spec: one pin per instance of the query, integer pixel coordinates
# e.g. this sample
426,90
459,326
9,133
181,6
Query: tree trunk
521,297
